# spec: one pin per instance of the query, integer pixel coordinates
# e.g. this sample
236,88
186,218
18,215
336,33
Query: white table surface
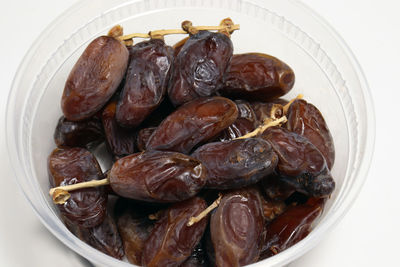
367,236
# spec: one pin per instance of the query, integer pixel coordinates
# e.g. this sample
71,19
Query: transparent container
326,73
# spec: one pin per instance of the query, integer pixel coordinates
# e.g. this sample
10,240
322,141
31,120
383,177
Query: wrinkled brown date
301,161
135,227
236,163
245,123
104,237
94,78
305,119
193,123
236,228
88,133
267,110
276,188
257,77
291,226
143,137
171,242
86,207
120,141
146,81
200,66
157,176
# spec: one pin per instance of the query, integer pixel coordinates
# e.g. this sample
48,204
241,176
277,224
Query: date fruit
236,163
257,77
86,207
245,123
94,78
300,161
157,176
104,237
146,81
291,226
171,242
193,123
120,141
268,110
88,133
143,137
200,66
305,119
236,228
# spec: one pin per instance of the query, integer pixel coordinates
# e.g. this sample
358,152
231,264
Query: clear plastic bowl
326,73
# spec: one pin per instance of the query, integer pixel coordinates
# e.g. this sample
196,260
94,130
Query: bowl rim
284,257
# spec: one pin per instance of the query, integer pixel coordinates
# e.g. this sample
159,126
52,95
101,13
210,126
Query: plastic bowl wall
326,73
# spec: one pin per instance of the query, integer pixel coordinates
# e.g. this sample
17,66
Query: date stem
287,106
60,194
266,124
187,28
205,212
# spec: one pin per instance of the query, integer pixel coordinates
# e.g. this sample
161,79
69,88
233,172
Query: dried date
88,133
268,110
291,227
300,161
157,176
236,163
257,77
171,242
305,119
94,78
200,66
120,141
146,81
143,137
86,207
193,123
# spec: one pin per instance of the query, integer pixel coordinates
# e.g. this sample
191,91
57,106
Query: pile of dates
172,118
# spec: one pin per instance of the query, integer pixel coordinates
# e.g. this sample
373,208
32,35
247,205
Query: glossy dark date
94,78
305,119
245,123
120,141
276,188
236,228
104,237
88,133
300,161
291,226
86,207
157,176
143,137
257,77
146,81
236,163
200,66
193,123
171,242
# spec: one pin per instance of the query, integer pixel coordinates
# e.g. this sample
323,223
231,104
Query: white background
367,236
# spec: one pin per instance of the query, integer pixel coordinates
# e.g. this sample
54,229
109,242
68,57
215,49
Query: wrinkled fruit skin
120,141
245,123
300,161
86,207
104,237
135,227
236,163
88,133
157,176
143,137
236,228
305,119
257,77
193,123
200,66
269,110
291,226
94,78
146,81
171,242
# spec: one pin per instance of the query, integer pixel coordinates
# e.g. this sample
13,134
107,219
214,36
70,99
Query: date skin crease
193,123
94,78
